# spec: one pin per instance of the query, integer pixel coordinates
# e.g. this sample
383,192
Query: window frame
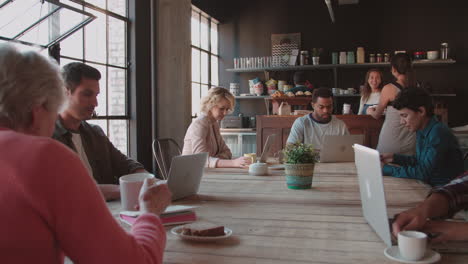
209,51
126,117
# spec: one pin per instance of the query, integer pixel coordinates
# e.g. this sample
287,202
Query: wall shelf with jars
335,67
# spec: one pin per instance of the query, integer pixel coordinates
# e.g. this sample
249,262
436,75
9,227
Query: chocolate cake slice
204,229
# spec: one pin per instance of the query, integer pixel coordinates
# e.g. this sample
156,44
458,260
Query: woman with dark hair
370,94
394,137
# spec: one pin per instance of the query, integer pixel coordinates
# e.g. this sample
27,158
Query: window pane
95,38
100,122
195,65
99,3
101,109
117,93
195,29
204,90
118,134
214,71
117,42
204,33
72,4
204,67
214,38
73,45
118,7
195,98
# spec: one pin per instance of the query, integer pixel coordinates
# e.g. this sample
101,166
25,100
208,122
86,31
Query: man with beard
310,129
104,162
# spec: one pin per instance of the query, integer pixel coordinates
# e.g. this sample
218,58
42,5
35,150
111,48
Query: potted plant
299,163
316,55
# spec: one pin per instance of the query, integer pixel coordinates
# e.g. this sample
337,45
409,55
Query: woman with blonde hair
370,94
53,205
203,135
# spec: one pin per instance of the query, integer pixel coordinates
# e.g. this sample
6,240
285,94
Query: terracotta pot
299,176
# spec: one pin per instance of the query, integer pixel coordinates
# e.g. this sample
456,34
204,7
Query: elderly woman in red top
51,205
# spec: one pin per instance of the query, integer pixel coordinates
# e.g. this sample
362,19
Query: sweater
51,208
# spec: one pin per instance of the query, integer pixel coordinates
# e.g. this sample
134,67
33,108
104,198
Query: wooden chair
164,150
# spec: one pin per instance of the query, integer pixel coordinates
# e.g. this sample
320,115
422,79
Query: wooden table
272,224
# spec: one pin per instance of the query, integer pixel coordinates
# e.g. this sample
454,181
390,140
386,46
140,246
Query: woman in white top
370,94
203,135
395,137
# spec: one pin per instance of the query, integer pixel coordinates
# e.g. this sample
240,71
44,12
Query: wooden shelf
416,63
252,97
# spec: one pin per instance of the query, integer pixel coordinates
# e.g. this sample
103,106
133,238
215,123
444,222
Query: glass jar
371,58
386,57
379,57
419,55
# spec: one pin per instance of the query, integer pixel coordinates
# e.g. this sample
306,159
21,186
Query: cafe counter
281,126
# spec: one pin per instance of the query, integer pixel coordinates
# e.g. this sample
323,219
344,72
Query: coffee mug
412,245
253,156
130,186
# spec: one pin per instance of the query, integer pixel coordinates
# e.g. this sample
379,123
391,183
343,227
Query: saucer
393,253
177,231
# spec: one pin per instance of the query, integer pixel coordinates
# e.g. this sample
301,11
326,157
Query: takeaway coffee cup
130,186
412,245
346,109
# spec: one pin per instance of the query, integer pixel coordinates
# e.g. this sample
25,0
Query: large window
204,56
102,44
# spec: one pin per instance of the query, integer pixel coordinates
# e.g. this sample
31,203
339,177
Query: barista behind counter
311,128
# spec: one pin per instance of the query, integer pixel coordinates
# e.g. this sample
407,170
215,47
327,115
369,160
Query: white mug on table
130,186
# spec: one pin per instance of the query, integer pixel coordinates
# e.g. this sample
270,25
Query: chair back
164,150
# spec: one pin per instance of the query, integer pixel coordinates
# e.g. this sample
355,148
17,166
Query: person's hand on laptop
386,158
446,231
412,219
155,196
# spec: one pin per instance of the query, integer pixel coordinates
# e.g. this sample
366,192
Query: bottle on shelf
360,55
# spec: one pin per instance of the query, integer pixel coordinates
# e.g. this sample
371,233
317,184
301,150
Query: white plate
393,253
276,167
176,231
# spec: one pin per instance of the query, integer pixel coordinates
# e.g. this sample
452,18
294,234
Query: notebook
174,215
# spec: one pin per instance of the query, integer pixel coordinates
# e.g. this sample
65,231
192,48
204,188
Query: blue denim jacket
438,157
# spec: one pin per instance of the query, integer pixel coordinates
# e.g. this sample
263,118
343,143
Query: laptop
185,174
373,201
339,148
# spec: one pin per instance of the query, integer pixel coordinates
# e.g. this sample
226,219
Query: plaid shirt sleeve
456,193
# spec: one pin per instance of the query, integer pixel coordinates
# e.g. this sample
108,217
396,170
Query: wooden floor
273,224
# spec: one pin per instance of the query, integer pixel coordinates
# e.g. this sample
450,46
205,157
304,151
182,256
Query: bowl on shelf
432,55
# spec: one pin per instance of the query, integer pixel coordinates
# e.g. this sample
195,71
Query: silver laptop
339,148
374,207
185,174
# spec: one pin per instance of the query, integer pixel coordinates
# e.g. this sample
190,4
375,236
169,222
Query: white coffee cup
258,169
412,245
130,186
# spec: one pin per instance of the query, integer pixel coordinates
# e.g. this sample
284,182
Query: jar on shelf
419,55
386,57
360,55
379,57
371,58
